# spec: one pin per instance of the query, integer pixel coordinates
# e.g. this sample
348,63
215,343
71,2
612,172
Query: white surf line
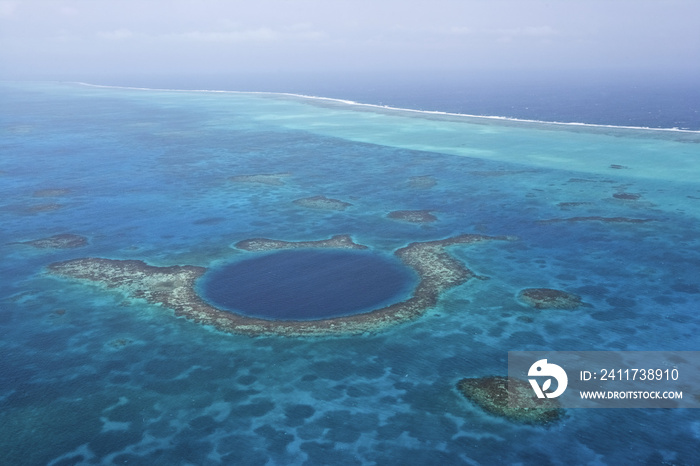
387,107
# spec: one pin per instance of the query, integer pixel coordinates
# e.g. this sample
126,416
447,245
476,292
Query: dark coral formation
62,241
510,398
493,173
547,298
421,182
174,287
586,180
57,313
598,219
43,208
274,179
617,167
322,203
120,343
627,196
568,205
413,216
264,244
52,192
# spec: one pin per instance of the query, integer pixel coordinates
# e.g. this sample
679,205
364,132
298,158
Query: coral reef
52,192
62,241
567,205
174,286
510,398
120,343
547,298
492,173
322,203
598,219
264,244
421,182
627,196
413,216
43,208
274,179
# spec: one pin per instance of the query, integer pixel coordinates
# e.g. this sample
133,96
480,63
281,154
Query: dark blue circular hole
308,284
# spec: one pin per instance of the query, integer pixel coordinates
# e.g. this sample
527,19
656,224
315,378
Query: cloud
302,32
536,31
117,34
262,34
531,32
7,9
460,31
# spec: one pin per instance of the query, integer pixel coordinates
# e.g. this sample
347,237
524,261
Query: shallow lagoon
89,375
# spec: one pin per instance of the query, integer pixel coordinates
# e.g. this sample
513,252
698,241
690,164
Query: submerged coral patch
43,208
55,192
627,196
598,219
413,216
510,398
175,287
422,182
547,298
62,241
274,179
264,244
322,203
568,205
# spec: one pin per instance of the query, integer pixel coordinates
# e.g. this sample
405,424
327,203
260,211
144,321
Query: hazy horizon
82,40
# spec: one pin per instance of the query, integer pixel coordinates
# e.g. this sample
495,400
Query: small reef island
62,241
510,398
174,286
322,203
547,298
412,216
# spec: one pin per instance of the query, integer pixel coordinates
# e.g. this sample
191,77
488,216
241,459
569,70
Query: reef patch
36,209
569,205
62,241
56,192
274,179
598,219
510,398
322,203
627,196
493,173
412,216
421,182
174,287
264,244
547,298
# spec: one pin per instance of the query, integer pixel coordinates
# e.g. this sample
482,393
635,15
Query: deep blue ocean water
308,284
90,376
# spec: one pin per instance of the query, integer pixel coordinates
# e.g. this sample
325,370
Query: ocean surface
89,375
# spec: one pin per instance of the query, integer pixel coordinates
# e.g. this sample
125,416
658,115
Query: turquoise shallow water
90,376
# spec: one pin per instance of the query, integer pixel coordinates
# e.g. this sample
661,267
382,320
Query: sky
83,39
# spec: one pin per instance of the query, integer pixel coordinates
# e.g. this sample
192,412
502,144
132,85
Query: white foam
387,107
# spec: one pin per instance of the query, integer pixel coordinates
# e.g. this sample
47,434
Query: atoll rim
175,287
